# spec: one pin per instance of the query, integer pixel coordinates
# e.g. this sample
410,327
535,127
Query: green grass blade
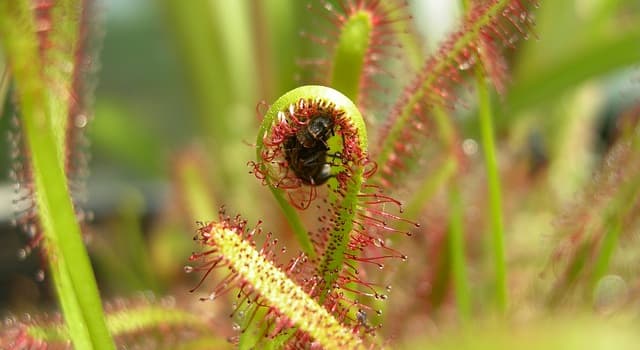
496,226
600,57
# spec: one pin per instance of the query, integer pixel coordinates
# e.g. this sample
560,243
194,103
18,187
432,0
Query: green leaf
539,84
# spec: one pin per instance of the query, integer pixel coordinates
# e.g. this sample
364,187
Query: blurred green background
175,76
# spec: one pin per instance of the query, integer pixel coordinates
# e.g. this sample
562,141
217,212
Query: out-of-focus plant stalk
496,226
41,110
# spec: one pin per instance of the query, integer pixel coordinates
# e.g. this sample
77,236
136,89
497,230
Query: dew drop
31,231
388,288
169,301
188,268
381,296
380,266
470,147
235,327
9,321
145,296
609,293
81,121
22,254
404,257
379,312
40,275
212,296
233,340
467,64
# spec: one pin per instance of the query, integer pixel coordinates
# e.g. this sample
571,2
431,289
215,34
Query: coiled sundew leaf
279,123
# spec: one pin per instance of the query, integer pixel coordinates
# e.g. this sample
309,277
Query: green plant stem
495,198
64,43
456,237
447,173
62,233
458,252
347,77
69,263
349,58
609,243
198,197
493,182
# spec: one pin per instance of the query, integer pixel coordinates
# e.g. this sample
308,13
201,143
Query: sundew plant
348,174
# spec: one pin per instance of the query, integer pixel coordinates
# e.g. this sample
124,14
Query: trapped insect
306,151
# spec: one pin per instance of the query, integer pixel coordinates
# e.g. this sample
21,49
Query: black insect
306,151
318,130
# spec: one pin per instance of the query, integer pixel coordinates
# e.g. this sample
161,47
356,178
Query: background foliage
573,94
